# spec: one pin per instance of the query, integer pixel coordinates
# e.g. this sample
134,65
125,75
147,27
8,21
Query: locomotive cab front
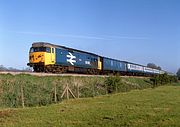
40,56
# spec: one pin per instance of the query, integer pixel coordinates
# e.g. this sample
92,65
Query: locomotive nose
39,56
36,57
31,57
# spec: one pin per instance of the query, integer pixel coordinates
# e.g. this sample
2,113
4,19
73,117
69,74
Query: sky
139,31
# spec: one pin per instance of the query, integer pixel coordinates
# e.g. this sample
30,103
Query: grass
149,107
40,90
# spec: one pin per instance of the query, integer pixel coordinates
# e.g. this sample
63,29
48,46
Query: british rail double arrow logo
71,58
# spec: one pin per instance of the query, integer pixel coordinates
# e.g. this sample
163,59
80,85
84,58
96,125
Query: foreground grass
150,107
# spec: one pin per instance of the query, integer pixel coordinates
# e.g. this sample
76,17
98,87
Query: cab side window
52,50
32,49
48,50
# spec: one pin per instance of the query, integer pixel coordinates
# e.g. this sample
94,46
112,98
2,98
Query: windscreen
40,49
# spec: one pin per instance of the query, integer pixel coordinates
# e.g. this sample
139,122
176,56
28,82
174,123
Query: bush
163,79
113,84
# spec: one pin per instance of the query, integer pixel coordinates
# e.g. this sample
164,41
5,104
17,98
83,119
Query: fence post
78,90
55,94
116,88
22,95
93,89
67,92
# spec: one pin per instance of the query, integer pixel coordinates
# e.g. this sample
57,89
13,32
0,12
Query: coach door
99,63
53,55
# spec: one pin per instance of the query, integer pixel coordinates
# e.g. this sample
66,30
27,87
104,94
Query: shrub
163,79
113,84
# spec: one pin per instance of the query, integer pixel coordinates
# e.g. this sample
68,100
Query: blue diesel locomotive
46,57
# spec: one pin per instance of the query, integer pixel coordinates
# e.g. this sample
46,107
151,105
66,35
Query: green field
149,107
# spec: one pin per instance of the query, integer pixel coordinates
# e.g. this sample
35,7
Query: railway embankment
27,90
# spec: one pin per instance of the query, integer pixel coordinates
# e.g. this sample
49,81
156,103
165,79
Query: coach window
111,63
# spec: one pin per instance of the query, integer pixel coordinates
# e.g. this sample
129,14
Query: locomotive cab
40,56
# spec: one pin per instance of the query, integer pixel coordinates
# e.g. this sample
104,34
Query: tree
154,66
2,68
178,73
159,68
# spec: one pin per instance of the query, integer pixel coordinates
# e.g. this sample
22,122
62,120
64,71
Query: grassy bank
149,107
45,90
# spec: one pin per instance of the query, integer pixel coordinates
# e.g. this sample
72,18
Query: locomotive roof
46,44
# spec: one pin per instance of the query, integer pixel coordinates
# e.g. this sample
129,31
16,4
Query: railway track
66,74
51,74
